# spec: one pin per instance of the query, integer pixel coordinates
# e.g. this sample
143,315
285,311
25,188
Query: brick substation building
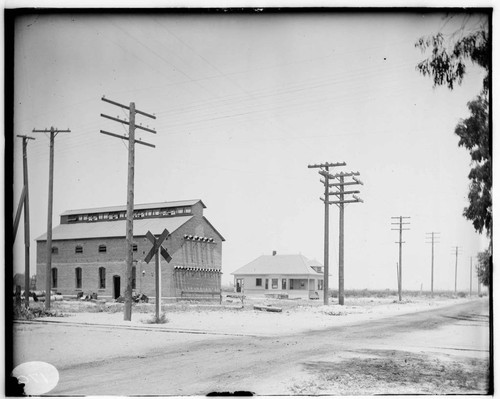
89,252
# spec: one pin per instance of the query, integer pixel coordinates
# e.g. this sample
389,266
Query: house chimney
274,253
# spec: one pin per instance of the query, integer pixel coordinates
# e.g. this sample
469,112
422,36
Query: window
134,247
54,277
102,277
180,210
78,277
133,277
320,284
55,250
187,210
102,248
274,283
267,283
283,284
78,249
258,282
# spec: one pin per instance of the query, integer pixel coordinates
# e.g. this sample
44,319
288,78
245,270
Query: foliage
447,64
161,319
483,268
474,133
24,313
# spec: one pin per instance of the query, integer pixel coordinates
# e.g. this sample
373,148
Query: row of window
101,249
79,277
95,217
294,284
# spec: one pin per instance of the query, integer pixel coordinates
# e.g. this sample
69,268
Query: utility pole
456,265
341,203
48,269
130,187
433,237
24,202
400,242
470,288
324,171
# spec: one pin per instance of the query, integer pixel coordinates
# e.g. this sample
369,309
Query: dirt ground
369,346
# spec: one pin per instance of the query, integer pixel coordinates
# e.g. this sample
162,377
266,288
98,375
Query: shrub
161,319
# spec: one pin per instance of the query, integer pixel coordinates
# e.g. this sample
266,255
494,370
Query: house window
102,248
55,250
54,277
134,247
133,277
78,277
320,284
187,210
78,249
102,277
180,210
267,283
274,283
283,284
258,282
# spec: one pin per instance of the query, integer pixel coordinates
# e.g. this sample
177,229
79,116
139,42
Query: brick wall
184,253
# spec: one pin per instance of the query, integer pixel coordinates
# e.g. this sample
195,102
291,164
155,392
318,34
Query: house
294,275
89,251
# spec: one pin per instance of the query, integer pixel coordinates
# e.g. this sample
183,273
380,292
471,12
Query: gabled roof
137,207
115,228
279,264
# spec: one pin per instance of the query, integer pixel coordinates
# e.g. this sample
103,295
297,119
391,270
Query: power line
400,242
433,237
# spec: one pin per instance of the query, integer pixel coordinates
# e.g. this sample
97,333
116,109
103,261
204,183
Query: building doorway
239,285
116,286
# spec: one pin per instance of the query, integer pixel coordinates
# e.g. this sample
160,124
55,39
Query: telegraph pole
324,171
433,237
341,203
130,187
470,288
48,269
400,242
456,265
24,202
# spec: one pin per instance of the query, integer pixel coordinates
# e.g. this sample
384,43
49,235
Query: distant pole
433,238
48,269
470,288
456,266
127,314
26,222
400,242
158,284
324,171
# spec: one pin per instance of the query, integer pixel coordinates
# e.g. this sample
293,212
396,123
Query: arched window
78,277
54,277
102,248
133,277
102,278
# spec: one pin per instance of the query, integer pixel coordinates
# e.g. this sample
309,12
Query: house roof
279,264
115,228
137,207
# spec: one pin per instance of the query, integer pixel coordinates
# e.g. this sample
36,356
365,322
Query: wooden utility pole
400,242
24,202
341,203
433,237
130,188
48,269
470,288
456,265
324,171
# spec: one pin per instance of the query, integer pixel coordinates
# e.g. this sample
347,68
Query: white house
294,275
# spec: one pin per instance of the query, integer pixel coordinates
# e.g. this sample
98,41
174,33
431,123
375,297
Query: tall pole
26,221
324,171
127,314
341,240
158,284
326,240
48,268
400,242
433,237
456,267
470,288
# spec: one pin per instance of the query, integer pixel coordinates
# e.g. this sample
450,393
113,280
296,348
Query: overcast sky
244,103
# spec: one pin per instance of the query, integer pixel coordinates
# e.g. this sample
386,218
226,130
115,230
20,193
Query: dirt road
442,351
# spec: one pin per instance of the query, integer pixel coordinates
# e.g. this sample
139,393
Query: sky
244,103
